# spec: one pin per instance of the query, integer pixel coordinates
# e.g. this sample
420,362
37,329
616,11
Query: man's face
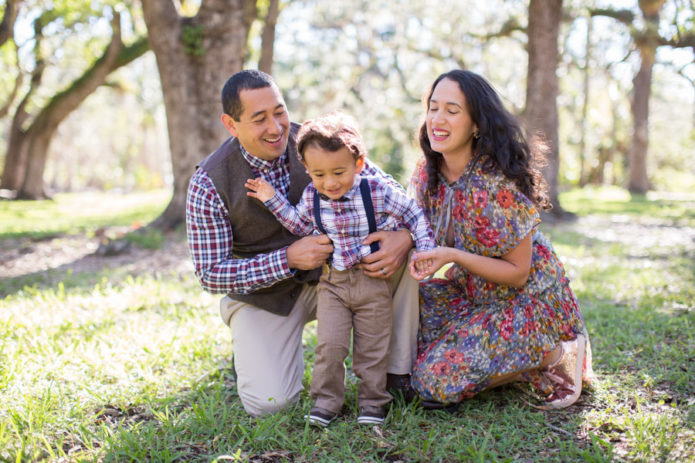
263,127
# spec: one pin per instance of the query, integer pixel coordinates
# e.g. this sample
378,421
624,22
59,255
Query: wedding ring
383,271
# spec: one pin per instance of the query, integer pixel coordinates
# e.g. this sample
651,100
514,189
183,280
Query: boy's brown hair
331,132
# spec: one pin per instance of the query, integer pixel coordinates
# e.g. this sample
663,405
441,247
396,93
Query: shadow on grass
113,262
64,274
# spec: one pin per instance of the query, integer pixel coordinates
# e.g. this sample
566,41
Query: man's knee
259,406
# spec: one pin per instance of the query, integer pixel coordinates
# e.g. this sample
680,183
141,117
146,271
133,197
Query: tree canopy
372,59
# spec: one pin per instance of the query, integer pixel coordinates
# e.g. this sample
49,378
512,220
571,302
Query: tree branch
265,64
624,16
682,41
7,25
115,55
5,109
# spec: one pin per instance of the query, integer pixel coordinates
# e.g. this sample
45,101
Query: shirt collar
262,164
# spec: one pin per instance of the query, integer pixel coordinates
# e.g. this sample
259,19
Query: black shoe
434,405
371,416
399,386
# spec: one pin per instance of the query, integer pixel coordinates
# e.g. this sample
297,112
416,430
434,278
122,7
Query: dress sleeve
502,216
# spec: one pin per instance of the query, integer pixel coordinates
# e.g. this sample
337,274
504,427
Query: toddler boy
346,206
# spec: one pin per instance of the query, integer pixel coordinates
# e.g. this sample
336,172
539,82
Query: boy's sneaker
320,417
371,415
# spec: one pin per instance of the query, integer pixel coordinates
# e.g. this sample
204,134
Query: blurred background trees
610,84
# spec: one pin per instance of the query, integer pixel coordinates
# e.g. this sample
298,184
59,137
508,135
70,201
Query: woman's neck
454,165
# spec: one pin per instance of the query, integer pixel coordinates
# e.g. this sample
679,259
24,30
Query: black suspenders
368,207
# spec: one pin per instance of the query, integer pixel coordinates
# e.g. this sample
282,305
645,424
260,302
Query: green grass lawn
116,365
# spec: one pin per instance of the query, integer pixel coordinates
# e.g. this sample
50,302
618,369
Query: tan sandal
566,374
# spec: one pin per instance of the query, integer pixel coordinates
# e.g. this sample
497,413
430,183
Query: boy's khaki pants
268,355
350,301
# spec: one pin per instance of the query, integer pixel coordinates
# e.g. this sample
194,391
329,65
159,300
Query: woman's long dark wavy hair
501,143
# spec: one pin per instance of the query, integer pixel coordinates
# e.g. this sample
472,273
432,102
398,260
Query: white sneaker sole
369,420
318,421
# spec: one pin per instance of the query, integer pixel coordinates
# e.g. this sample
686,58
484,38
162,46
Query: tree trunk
15,158
41,131
36,147
265,64
16,155
584,164
195,56
647,42
638,182
541,116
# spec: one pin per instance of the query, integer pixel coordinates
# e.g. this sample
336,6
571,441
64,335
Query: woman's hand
425,263
511,269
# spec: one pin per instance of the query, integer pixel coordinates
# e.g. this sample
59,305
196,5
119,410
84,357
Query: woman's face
449,125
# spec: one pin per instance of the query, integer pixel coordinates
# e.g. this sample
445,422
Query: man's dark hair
248,79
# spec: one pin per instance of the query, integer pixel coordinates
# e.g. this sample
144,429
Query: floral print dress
473,330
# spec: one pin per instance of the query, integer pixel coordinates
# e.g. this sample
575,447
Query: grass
70,213
114,366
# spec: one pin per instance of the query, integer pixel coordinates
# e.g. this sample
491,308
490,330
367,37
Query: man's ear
359,164
229,124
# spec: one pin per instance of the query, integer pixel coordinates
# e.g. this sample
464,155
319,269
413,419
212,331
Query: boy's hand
423,266
426,263
259,189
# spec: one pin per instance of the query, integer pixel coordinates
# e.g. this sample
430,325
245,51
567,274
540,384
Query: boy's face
333,172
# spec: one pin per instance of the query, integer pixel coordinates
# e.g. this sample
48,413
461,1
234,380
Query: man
269,276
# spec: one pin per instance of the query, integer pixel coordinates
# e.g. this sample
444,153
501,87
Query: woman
504,310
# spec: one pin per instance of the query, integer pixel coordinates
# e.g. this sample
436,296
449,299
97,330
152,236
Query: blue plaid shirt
210,235
345,221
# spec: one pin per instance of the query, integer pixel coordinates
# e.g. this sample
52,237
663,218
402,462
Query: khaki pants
350,300
268,353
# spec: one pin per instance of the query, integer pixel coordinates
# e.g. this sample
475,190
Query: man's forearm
244,276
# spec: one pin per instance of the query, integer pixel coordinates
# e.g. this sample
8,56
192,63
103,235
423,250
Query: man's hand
309,252
393,252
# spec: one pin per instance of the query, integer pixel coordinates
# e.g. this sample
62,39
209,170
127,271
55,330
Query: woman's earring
476,134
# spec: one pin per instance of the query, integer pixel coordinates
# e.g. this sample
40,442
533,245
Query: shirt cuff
274,203
283,263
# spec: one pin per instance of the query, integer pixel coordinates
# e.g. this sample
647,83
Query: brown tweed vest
256,231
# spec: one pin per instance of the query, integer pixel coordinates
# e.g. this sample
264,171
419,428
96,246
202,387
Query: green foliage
193,39
674,209
117,365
